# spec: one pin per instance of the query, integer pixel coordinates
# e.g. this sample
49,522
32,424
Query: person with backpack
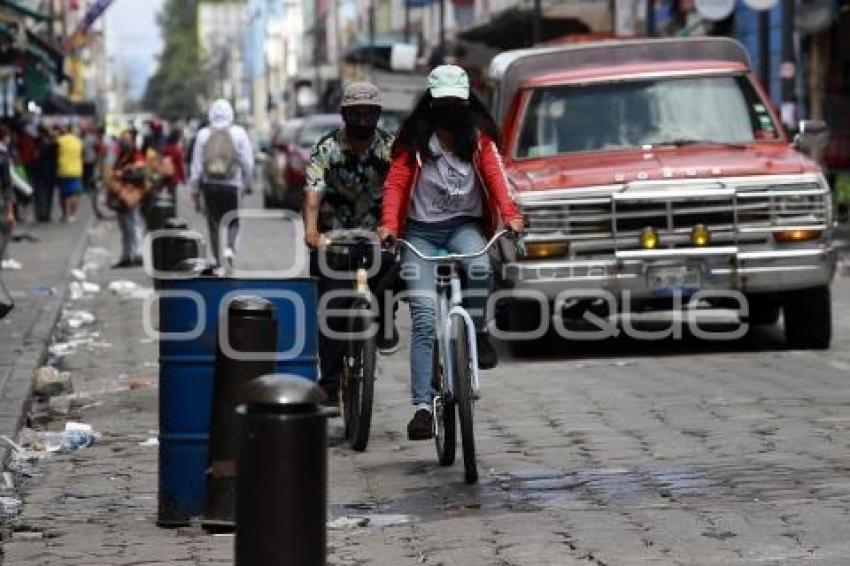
222,168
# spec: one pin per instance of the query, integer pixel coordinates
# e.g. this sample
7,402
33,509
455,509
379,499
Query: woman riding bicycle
446,186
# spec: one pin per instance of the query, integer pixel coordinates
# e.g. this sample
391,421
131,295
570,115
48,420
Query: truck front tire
764,309
808,318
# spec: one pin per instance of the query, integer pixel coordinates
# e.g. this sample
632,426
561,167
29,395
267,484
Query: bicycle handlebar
458,257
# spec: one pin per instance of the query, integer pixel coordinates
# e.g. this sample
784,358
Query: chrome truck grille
601,225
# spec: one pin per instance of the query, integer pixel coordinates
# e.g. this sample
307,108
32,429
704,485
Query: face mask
360,132
450,117
359,124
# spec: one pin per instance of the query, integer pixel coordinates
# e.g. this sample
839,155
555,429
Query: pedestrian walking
127,186
446,186
7,222
44,178
90,155
343,191
174,151
70,173
222,170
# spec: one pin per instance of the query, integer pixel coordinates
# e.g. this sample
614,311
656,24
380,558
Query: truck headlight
649,238
700,235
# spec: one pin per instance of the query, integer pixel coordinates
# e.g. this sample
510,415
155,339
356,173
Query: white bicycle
455,368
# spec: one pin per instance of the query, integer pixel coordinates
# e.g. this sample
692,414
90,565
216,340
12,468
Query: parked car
651,169
311,130
277,154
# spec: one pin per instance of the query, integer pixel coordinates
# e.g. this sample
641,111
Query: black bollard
168,251
160,209
281,501
251,328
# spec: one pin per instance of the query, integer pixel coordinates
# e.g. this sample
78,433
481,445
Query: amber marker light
545,250
788,236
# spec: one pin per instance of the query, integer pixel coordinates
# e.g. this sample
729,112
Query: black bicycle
355,250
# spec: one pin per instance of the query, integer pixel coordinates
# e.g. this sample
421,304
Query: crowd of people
49,165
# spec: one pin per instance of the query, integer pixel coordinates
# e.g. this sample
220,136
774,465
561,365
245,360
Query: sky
133,41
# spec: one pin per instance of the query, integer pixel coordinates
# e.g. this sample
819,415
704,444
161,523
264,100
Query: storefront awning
23,11
50,53
513,28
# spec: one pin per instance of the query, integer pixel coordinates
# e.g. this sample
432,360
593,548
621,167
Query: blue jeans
458,235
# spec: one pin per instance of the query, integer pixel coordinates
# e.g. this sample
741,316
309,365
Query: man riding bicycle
344,189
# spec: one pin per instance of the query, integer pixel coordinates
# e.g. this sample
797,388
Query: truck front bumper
721,268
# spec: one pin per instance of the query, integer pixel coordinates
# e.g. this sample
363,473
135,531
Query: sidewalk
38,290
97,506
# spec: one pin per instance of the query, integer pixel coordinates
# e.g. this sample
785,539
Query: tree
180,80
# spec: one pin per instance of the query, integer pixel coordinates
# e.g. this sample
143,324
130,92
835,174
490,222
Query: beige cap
361,94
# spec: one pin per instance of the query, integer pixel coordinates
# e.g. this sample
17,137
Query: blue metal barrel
190,312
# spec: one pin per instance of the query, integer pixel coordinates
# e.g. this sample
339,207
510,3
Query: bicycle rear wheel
359,386
445,435
463,396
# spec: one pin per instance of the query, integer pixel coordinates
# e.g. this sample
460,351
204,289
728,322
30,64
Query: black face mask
450,117
359,132
361,124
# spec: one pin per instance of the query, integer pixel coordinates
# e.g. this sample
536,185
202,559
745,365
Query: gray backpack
220,158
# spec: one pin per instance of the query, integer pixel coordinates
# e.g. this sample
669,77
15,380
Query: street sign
715,10
761,5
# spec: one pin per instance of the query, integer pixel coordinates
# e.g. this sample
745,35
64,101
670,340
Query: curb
17,388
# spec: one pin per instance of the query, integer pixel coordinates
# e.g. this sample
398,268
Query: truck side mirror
812,137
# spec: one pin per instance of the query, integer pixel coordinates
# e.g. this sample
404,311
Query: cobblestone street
614,453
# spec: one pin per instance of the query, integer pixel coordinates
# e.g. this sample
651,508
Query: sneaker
387,346
421,426
123,264
487,358
331,404
137,261
227,257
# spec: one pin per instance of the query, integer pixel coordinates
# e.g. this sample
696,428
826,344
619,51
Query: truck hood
668,163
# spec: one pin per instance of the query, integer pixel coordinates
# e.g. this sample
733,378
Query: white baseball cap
448,80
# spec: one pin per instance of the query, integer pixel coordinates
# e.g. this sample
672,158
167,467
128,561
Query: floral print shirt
350,185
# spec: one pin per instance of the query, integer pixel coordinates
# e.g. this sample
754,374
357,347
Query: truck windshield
668,111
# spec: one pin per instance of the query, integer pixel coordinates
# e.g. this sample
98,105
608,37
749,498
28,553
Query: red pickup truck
655,174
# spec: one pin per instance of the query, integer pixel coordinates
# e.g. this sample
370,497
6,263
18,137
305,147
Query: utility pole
650,18
372,33
51,24
406,21
536,23
443,27
764,48
789,63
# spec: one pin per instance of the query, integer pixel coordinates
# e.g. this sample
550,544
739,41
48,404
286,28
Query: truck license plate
670,279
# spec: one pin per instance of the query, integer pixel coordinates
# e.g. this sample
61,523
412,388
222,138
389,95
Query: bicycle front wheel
359,387
463,396
445,434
